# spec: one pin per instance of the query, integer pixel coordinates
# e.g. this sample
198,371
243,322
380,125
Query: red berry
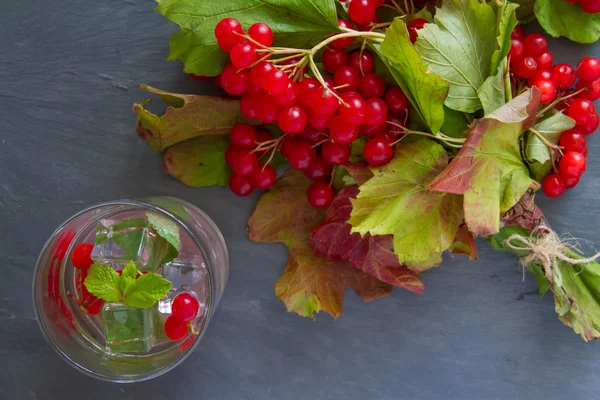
240,185
591,125
547,89
361,11
345,42
310,136
286,144
248,105
516,49
544,61
396,102
346,77
264,177
175,329
319,122
242,55
553,185
218,80
244,163
323,102
414,27
545,74
185,307
378,151
373,130
292,119
590,6
81,257
572,140
342,131
319,194
363,63
259,71
581,110
267,109
376,111
563,76
261,33
591,92
275,81
371,85
572,164
229,32
571,182
234,82
333,58
335,153
94,306
319,170
231,154
242,136
518,33
353,112
288,97
301,156
524,67
588,69
534,44
306,88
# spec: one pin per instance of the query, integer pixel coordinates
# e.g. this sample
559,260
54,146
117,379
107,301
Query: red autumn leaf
371,254
359,171
464,243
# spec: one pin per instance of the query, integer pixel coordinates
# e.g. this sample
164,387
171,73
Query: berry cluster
320,117
589,6
184,309
81,258
532,65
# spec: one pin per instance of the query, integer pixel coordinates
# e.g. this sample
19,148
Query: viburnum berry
547,89
234,82
590,6
544,61
335,153
185,307
275,81
518,33
242,55
341,131
323,102
267,109
361,11
353,111
301,156
310,136
362,62
396,102
242,136
545,74
344,42
288,97
377,151
571,182
333,58
376,111
414,27
516,49
81,257
319,170
346,78
93,306
259,71
591,92
319,122
588,69
553,185
261,33
263,177
248,105
563,76
581,110
176,329
591,125
572,164
240,185
261,137
292,119
534,44
572,140
373,130
371,85
286,144
243,162
306,88
218,80
229,32
524,67
319,194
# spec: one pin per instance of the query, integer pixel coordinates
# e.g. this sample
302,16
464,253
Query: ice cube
118,242
182,273
128,329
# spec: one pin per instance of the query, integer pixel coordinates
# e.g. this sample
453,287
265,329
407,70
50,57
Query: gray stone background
69,72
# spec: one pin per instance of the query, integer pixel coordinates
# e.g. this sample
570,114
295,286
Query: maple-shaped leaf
310,283
186,117
371,254
359,171
464,243
488,169
397,201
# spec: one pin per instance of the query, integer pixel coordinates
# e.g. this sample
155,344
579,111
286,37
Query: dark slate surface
68,76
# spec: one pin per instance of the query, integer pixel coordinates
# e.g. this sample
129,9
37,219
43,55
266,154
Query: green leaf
492,93
525,12
167,229
425,90
498,240
561,18
507,21
539,171
189,116
130,270
103,282
296,24
455,123
551,128
423,223
488,169
538,273
199,161
147,290
459,48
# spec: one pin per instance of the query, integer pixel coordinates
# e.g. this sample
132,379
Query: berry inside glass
124,290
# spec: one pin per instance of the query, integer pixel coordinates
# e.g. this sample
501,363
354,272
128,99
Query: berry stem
545,141
557,101
450,141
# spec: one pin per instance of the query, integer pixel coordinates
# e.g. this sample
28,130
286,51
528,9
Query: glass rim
135,203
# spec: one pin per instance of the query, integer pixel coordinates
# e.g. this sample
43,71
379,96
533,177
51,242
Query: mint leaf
147,290
166,228
103,282
560,18
130,270
459,48
425,90
296,24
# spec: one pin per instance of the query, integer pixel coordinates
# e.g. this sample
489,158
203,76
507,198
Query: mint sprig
105,283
